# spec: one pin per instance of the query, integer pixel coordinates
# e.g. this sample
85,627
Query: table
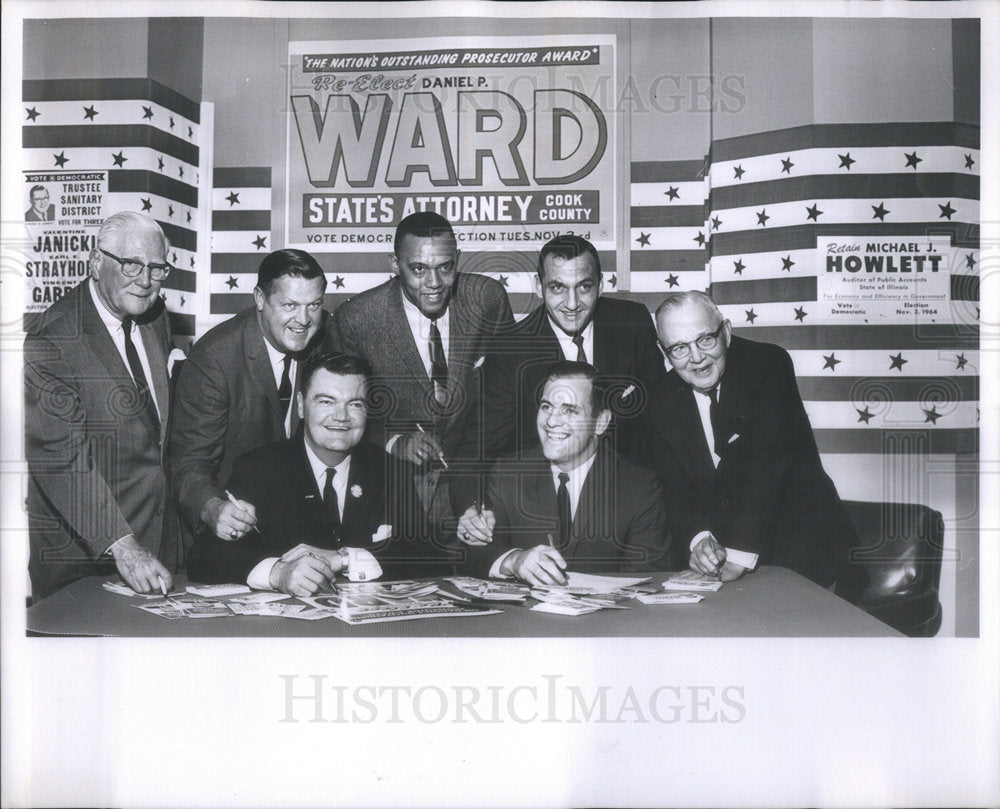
770,602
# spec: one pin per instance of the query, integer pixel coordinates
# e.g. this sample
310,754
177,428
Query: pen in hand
440,455
163,586
235,502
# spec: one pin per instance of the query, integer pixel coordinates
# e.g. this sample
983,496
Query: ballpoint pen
236,503
163,586
440,454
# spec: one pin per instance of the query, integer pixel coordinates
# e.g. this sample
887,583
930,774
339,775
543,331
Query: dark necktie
141,385
581,355
565,513
439,365
715,416
330,499
285,388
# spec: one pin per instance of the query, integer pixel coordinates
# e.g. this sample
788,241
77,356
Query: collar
587,331
578,473
418,319
319,468
109,320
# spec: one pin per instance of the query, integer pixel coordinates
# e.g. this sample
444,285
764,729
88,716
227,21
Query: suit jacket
625,353
31,215
96,465
619,525
278,480
226,404
769,494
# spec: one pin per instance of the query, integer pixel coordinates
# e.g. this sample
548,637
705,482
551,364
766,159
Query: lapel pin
356,490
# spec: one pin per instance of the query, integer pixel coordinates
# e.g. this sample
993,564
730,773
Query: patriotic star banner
502,136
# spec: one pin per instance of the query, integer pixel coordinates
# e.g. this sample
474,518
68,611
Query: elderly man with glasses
96,410
730,436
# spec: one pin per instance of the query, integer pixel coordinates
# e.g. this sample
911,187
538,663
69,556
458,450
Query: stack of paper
689,580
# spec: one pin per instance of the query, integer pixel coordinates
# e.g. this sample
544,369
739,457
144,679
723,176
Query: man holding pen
570,503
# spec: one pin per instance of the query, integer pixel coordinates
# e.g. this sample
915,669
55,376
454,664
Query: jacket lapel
259,363
158,371
402,338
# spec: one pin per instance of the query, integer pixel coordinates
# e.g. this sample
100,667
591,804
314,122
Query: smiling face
290,313
40,201
427,268
334,414
570,290
128,297
702,370
567,425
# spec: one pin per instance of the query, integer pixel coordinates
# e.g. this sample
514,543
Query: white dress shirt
420,328
569,347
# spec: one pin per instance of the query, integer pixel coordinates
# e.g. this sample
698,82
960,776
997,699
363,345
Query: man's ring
234,533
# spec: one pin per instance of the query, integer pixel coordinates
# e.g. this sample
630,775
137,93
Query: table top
770,602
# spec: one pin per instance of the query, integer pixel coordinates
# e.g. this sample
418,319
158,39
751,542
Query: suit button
159,511
726,503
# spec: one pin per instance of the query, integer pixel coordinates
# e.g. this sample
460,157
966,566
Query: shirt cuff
260,576
495,570
107,550
742,558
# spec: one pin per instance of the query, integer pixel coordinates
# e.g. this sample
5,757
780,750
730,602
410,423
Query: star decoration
119,158
700,238
716,222
170,211
738,172
183,300
180,171
673,281
831,362
503,280
33,113
338,282
61,159
173,257
146,204
159,163
260,242
961,361
672,192
189,216
739,266
171,121
147,113
912,160
232,283
969,162
786,166
190,132
762,217
846,161
814,213
191,259
970,261
233,199
879,212
946,211
614,281
800,314
643,239
787,263
751,315
89,113
897,362
932,414
865,415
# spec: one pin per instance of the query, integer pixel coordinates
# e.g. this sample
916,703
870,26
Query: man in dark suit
576,323
96,411
235,390
319,493
425,333
40,210
571,502
733,442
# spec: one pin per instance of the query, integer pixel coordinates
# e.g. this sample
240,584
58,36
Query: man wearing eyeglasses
96,411
732,441
40,210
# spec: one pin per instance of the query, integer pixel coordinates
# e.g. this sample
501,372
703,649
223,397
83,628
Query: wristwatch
345,557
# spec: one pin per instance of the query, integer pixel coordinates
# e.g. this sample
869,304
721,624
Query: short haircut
675,300
568,247
423,225
113,226
570,369
339,364
35,188
296,263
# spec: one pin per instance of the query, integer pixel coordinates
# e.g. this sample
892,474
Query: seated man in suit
571,502
317,494
235,390
733,443
424,333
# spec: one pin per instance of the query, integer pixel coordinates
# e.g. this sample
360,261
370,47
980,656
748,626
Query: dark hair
339,364
569,247
569,369
34,188
424,225
297,263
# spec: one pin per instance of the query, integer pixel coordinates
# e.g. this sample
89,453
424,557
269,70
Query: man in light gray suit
424,333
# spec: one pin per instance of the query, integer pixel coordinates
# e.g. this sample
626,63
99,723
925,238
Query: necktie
439,365
141,385
581,355
565,514
330,499
718,426
285,388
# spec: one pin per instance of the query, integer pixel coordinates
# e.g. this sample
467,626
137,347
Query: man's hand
543,564
418,448
707,558
141,570
229,521
334,560
304,576
475,527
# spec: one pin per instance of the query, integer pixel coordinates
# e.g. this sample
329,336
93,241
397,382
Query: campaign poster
64,211
511,139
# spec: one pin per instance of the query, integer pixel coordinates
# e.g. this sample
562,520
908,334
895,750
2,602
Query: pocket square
479,362
310,497
733,438
383,532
